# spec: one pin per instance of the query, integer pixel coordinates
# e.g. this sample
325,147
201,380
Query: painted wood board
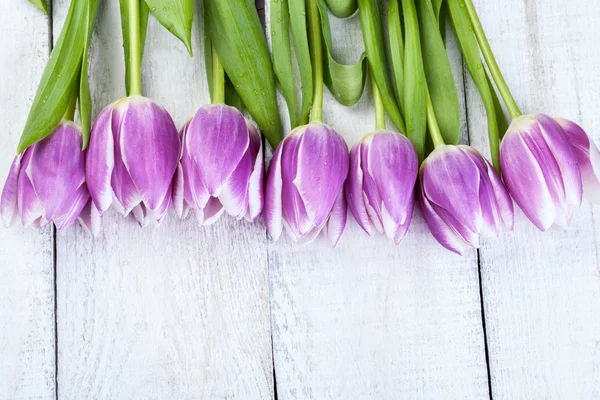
541,291
371,319
26,255
174,311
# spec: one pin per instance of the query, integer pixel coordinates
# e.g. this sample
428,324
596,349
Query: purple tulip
304,190
47,184
221,167
461,197
380,186
132,158
588,159
541,171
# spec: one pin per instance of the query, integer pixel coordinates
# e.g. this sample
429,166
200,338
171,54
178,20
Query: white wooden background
179,312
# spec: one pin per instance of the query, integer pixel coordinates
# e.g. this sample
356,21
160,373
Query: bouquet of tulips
132,158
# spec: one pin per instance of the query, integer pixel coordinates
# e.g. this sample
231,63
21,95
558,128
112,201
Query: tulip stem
432,124
491,62
135,49
316,56
218,93
70,112
378,104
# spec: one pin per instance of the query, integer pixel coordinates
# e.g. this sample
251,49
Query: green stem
378,104
218,76
316,55
432,124
70,112
491,62
135,48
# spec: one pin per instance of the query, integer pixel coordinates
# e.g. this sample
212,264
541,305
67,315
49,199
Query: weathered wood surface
541,291
369,319
179,312
26,255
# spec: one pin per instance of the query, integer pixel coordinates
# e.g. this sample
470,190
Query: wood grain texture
26,255
371,320
542,290
173,312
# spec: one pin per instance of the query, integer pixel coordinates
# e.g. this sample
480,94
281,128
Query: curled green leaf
370,19
177,16
60,78
438,72
342,8
346,82
282,55
298,27
237,35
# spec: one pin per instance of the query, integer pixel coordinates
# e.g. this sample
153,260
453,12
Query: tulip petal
234,192
440,230
178,198
91,219
588,159
9,209
71,209
294,210
149,145
337,220
256,184
99,160
393,160
216,140
139,213
450,180
157,216
273,213
29,205
565,158
57,172
529,190
322,168
354,189
212,212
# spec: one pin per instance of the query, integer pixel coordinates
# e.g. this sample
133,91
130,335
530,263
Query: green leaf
41,4
470,49
85,97
300,42
144,11
60,78
396,47
437,6
239,40
346,82
177,16
440,81
342,8
282,56
370,19
415,105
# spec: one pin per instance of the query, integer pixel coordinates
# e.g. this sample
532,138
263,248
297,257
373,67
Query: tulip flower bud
380,186
540,169
462,196
588,159
46,182
304,190
132,158
221,166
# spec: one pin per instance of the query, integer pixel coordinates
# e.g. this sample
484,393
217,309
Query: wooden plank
170,312
371,319
27,267
542,290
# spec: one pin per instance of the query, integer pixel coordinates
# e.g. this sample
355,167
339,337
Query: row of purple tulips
139,164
